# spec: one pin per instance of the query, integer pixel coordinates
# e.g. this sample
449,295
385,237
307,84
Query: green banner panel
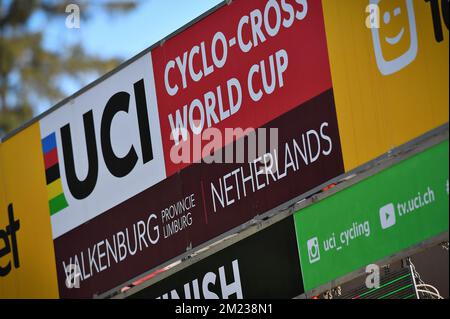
375,218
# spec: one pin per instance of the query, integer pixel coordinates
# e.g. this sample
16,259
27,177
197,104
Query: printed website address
419,201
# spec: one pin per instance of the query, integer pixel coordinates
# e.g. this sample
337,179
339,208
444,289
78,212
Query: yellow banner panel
390,72
27,260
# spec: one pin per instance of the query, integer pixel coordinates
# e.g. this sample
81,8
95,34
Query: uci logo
102,147
118,166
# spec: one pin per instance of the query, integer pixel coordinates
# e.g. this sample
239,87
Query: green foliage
29,72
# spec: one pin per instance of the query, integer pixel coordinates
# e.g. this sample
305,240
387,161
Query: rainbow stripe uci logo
56,199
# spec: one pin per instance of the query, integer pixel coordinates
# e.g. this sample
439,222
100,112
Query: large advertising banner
263,265
159,157
375,218
27,258
125,199
200,203
390,71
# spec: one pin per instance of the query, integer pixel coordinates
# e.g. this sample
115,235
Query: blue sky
121,35
126,35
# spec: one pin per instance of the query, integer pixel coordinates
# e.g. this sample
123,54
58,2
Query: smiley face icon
395,41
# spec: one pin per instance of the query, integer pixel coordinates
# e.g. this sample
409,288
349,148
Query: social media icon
387,216
313,250
395,41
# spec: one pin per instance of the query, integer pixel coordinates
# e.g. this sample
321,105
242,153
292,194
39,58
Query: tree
31,73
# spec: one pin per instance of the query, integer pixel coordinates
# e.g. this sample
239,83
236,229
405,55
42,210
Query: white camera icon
313,250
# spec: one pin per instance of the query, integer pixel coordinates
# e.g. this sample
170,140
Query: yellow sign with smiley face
395,42
390,76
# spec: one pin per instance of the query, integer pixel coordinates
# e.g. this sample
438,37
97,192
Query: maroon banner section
242,66
201,202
